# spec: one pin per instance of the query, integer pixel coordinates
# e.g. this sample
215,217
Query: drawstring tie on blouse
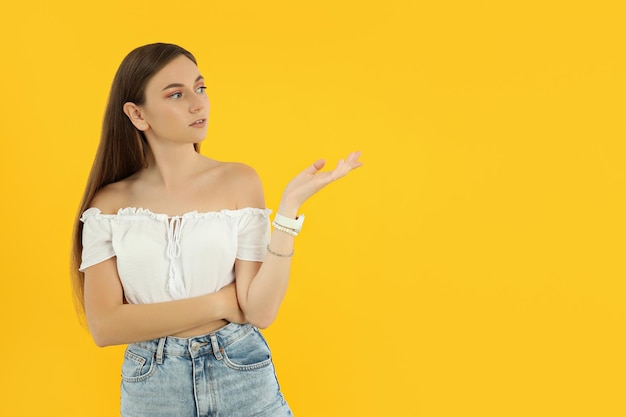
175,284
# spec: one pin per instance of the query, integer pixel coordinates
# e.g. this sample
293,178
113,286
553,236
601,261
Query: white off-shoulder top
162,258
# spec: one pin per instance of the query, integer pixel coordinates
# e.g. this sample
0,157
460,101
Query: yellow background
473,267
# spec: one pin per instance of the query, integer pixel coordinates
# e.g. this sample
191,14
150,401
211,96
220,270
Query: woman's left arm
261,287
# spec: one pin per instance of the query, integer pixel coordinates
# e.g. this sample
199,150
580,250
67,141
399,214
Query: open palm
311,180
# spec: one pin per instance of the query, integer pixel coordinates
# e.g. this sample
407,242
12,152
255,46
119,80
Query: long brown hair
122,149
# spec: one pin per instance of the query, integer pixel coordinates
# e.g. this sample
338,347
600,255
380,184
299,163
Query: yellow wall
473,267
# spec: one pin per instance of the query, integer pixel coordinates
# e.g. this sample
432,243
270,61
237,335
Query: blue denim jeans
227,373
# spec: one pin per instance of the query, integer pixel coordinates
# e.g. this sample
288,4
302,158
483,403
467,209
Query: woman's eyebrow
200,77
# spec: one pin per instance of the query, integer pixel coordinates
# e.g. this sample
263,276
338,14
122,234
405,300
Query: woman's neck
171,165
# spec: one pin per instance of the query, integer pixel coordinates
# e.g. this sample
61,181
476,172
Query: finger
316,166
340,170
344,167
354,155
319,164
353,158
354,162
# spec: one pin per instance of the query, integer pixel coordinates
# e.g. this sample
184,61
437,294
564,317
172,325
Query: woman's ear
136,117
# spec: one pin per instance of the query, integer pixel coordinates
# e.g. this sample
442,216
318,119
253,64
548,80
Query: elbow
262,324
100,340
102,336
262,321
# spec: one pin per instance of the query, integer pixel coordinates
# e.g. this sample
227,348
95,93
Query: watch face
294,224
300,220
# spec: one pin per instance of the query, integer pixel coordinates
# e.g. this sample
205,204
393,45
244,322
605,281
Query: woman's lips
199,123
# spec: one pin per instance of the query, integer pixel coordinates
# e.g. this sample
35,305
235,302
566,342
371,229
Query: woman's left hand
311,180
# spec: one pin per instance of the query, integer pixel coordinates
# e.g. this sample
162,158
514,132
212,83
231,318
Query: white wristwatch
294,224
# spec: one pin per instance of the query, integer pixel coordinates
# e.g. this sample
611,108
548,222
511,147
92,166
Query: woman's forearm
129,323
260,295
268,287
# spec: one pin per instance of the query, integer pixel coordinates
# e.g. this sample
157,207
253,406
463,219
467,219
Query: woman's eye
176,95
201,89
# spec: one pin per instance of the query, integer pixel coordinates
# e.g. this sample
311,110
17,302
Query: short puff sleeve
97,245
253,234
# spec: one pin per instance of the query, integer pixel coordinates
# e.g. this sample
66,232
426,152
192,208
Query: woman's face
176,108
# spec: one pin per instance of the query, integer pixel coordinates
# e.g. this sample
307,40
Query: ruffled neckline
143,212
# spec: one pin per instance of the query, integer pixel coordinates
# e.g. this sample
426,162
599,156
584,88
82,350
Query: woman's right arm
112,322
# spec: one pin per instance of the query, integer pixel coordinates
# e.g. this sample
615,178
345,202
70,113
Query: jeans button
195,346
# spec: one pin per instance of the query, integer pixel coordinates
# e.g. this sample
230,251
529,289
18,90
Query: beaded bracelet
284,229
281,255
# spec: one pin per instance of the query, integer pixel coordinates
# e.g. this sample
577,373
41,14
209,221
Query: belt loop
159,352
216,348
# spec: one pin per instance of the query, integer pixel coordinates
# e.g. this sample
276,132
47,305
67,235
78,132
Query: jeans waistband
213,342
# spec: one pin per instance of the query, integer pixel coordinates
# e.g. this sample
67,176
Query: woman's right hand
232,311
312,180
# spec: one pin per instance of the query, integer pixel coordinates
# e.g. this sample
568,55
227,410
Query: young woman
173,253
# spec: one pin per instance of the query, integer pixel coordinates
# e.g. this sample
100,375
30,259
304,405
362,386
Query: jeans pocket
138,365
248,353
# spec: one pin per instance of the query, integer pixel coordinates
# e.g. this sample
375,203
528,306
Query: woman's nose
197,104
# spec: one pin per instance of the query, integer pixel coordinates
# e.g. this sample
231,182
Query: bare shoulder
245,182
111,197
240,171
